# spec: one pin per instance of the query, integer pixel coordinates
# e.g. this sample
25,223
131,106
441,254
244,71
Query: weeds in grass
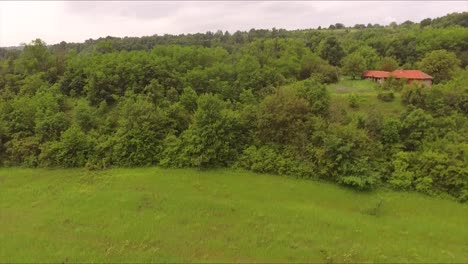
376,209
326,256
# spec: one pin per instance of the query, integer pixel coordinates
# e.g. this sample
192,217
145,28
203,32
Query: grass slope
366,91
156,215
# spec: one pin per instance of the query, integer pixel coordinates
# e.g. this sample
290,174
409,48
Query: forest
258,100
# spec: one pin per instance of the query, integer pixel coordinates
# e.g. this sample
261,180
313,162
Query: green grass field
162,215
367,93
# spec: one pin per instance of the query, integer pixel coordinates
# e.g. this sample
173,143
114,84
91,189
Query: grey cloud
144,10
79,20
223,14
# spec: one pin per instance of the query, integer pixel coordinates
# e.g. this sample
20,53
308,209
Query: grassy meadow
366,91
188,215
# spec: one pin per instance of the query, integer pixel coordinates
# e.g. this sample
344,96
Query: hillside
187,215
269,101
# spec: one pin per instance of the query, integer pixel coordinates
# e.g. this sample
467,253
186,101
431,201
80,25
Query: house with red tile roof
376,76
410,75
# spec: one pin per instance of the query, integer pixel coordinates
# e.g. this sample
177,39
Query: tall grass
162,215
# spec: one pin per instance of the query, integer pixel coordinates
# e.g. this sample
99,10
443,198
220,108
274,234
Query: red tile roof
407,74
376,74
411,74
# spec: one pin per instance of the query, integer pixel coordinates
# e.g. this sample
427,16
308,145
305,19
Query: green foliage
415,128
342,153
414,94
386,96
282,117
214,138
313,66
330,49
440,64
451,20
429,172
388,64
394,84
105,46
72,150
34,58
188,99
141,129
451,96
390,131
86,116
401,177
370,56
270,159
353,100
31,84
316,94
22,151
264,100
354,65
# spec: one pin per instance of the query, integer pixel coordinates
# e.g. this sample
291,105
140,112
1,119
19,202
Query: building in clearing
376,76
410,75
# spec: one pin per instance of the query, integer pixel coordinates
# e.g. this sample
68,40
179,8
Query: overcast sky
76,21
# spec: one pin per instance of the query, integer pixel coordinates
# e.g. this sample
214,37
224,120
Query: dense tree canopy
440,64
354,65
258,100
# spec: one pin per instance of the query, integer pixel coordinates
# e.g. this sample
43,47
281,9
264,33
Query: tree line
257,100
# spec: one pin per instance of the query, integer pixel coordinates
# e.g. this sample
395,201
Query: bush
390,131
172,155
316,94
73,149
314,67
281,117
264,159
214,139
402,178
273,159
343,154
353,100
429,172
416,127
23,151
414,94
386,96
393,84
441,64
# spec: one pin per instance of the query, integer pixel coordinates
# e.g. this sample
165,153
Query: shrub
386,96
214,139
343,154
316,94
414,94
437,172
393,84
354,64
282,116
429,172
353,100
73,149
273,159
264,159
172,155
415,128
390,131
402,177
441,64
23,151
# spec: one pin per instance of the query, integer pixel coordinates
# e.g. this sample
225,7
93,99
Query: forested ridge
257,100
